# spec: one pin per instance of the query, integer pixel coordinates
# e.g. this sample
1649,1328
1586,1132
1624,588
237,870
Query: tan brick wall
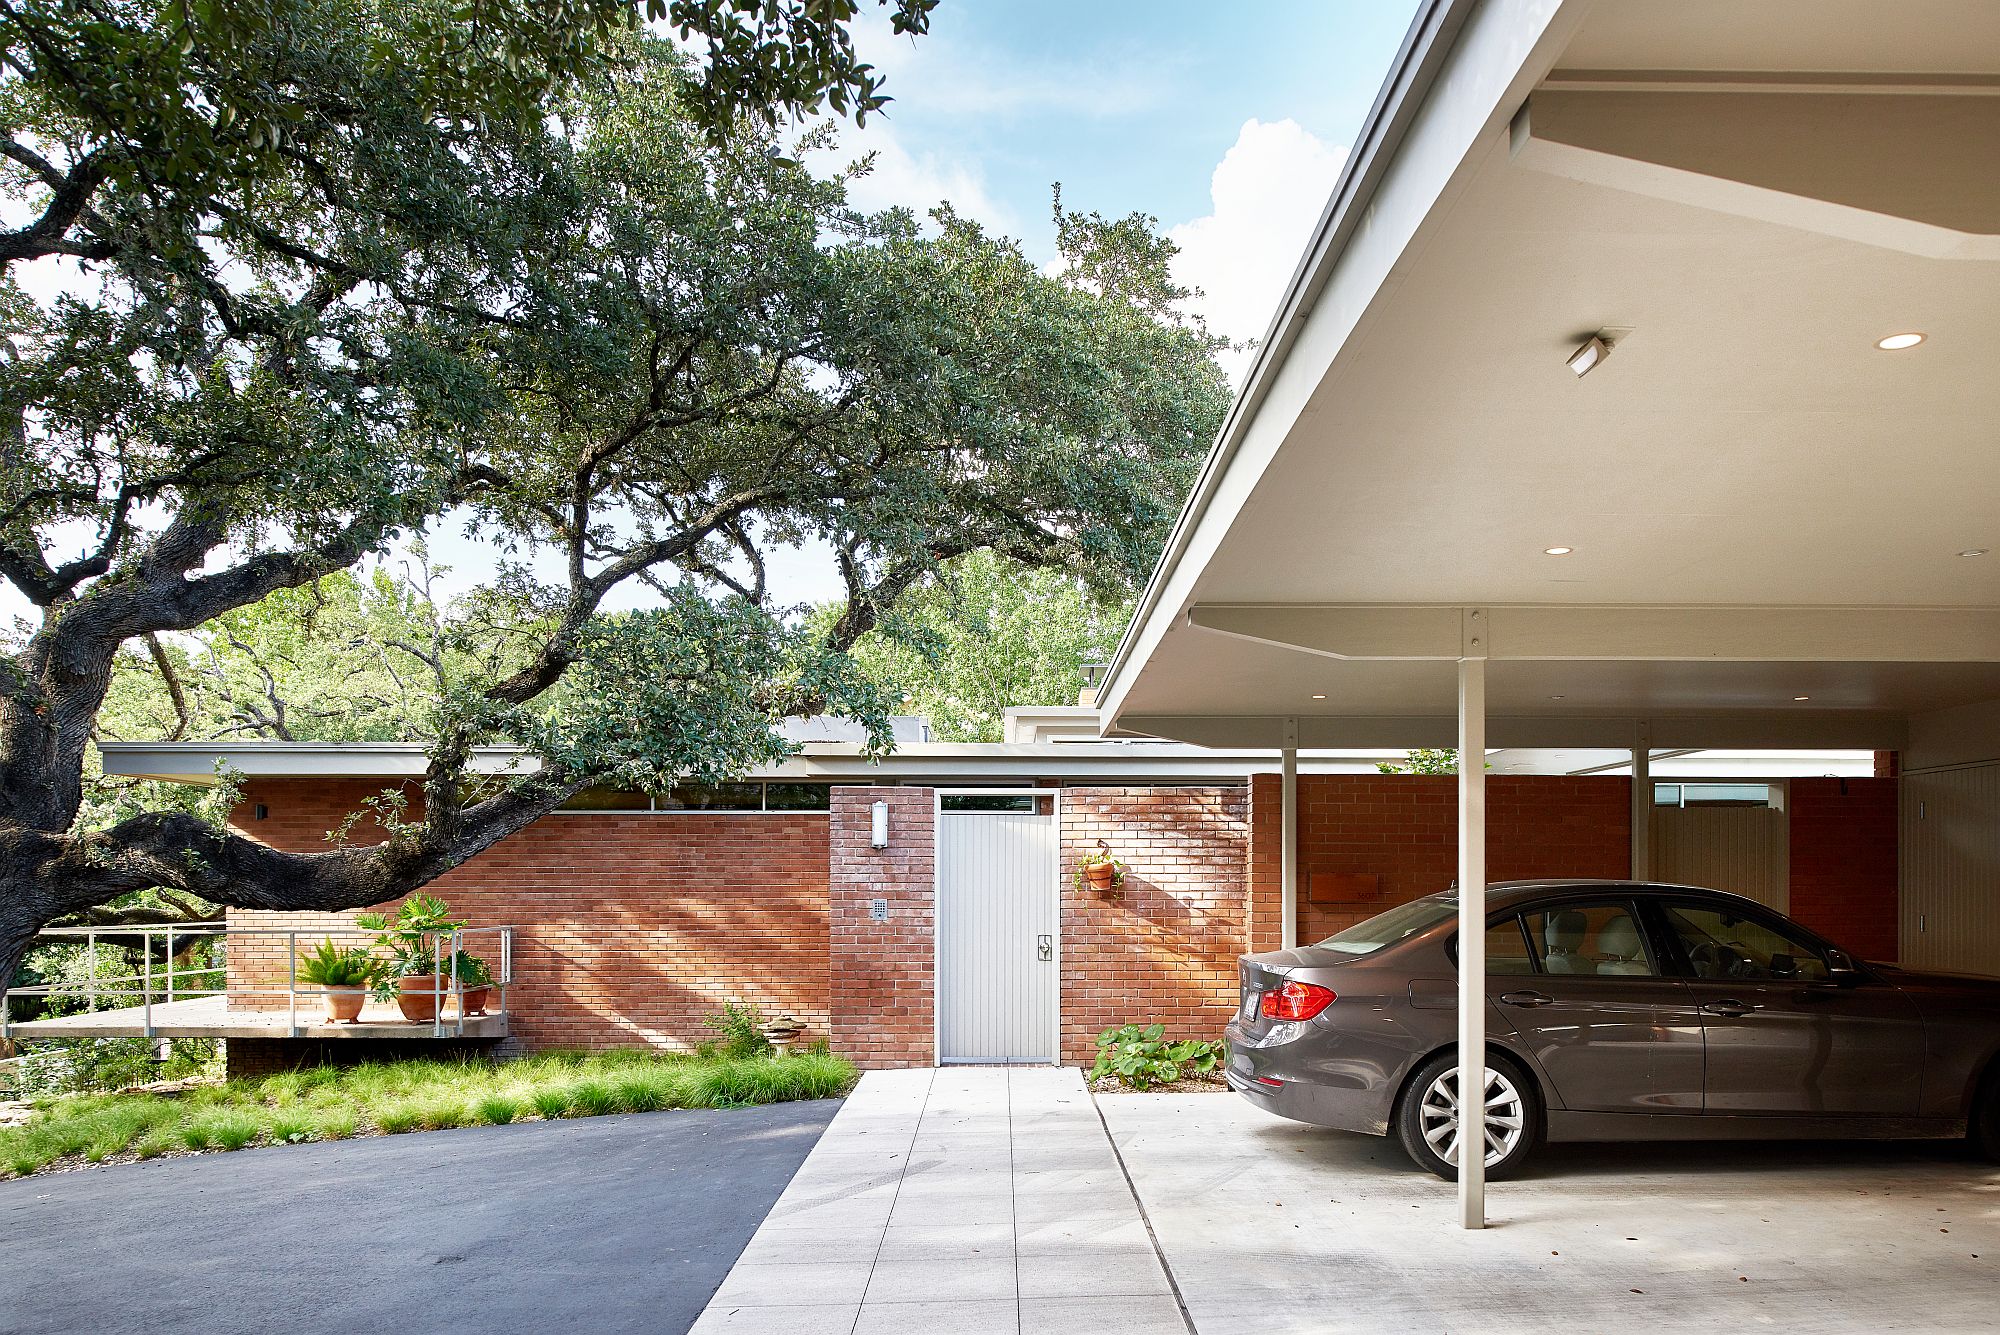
1164,948
629,929
880,974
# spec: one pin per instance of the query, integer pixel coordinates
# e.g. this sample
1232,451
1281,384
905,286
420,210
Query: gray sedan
1615,1011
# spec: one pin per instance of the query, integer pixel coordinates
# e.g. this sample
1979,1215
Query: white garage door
997,914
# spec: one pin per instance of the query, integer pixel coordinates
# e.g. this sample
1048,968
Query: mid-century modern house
924,907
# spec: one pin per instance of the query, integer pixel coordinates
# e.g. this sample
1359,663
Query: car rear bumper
1293,1080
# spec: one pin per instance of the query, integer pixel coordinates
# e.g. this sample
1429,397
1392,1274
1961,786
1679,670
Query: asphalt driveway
602,1224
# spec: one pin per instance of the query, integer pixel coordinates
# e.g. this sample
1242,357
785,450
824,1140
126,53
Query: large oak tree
328,289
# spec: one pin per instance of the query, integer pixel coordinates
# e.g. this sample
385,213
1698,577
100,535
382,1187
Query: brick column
882,973
1264,910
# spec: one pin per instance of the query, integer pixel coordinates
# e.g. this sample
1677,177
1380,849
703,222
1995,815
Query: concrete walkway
967,1199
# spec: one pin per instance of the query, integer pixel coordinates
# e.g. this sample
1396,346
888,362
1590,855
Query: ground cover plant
390,1098
1143,1057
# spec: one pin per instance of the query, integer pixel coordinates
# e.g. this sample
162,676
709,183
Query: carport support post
1288,839
1642,801
1472,925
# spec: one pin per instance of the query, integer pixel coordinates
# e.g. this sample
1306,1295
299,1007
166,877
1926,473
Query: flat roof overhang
1764,510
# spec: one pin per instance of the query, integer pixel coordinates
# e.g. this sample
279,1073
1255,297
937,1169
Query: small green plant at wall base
1142,1057
742,1028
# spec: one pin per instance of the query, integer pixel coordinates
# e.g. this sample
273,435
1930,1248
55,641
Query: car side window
1600,940
1722,944
1507,949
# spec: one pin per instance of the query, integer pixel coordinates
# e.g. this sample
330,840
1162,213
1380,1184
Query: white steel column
1472,926
1642,801
1288,844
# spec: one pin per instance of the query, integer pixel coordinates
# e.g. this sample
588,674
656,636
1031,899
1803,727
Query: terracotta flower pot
417,996
343,1004
1101,876
474,999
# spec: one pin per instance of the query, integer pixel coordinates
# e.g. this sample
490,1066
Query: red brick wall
1164,948
880,973
1375,841
629,929
1843,850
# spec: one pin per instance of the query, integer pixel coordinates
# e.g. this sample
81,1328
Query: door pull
1527,1000
1729,1007
1045,947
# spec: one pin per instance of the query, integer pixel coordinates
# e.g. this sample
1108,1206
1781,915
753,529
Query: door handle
1045,947
1729,1006
1527,1000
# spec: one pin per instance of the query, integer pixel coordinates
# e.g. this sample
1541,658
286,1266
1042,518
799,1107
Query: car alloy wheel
1428,1122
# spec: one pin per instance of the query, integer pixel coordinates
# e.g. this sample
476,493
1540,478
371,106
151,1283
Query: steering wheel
1712,959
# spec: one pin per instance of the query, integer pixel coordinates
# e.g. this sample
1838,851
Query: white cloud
918,181
946,75
1267,193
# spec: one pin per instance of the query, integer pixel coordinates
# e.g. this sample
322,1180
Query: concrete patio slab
1270,1226
981,1200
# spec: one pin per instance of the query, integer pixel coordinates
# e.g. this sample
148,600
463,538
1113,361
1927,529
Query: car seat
1562,943
1621,950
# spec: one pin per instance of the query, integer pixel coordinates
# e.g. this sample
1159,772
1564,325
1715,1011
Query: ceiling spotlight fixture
1555,697
1586,358
1557,551
1973,551
1893,343
1802,697
1319,697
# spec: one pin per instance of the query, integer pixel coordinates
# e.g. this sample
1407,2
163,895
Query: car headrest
1565,930
1619,937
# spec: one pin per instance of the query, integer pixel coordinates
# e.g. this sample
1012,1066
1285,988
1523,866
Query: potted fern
345,973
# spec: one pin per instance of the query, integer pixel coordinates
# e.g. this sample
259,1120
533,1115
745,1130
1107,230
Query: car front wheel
1428,1122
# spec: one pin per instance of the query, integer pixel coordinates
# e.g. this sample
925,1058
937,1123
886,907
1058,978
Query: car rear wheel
1427,1120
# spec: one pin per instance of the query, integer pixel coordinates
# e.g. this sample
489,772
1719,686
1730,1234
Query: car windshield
1386,929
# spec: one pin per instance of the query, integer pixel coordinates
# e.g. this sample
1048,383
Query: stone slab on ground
1272,1227
967,1199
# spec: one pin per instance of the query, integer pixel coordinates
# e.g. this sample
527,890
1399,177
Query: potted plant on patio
413,939
475,981
345,972
1100,871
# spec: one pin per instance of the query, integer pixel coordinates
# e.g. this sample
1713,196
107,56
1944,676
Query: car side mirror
1840,968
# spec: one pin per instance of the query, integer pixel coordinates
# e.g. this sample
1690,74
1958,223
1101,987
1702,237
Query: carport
1635,391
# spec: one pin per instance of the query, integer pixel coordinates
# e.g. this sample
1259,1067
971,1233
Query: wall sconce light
878,825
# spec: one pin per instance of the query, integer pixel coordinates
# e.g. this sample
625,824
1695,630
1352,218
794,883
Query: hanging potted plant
345,973
1100,871
412,938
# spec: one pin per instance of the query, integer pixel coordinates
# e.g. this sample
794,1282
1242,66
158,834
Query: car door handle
1527,1000
1729,1007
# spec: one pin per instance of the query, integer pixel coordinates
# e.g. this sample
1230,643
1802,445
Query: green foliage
741,1026
328,965
985,634
1141,1057
395,1098
1100,857
1423,760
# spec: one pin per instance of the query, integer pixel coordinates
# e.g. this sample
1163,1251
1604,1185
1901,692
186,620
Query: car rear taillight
1297,1001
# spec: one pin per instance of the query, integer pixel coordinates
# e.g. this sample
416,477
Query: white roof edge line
1433,29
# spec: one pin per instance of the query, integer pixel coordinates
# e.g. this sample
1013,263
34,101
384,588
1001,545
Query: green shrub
1141,1057
742,1028
496,1110
591,1098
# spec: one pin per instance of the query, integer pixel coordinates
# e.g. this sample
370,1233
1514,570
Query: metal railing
253,973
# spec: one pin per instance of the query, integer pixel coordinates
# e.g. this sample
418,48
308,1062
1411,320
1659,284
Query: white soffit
1746,445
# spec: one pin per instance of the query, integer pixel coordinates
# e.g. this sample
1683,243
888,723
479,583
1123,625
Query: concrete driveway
605,1224
1270,1226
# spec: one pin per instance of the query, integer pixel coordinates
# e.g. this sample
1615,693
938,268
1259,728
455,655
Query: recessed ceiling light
1802,697
1555,697
1319,697
1557,551
1898,341
1973,551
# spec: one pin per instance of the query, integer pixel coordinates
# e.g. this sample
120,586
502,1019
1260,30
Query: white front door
996,957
